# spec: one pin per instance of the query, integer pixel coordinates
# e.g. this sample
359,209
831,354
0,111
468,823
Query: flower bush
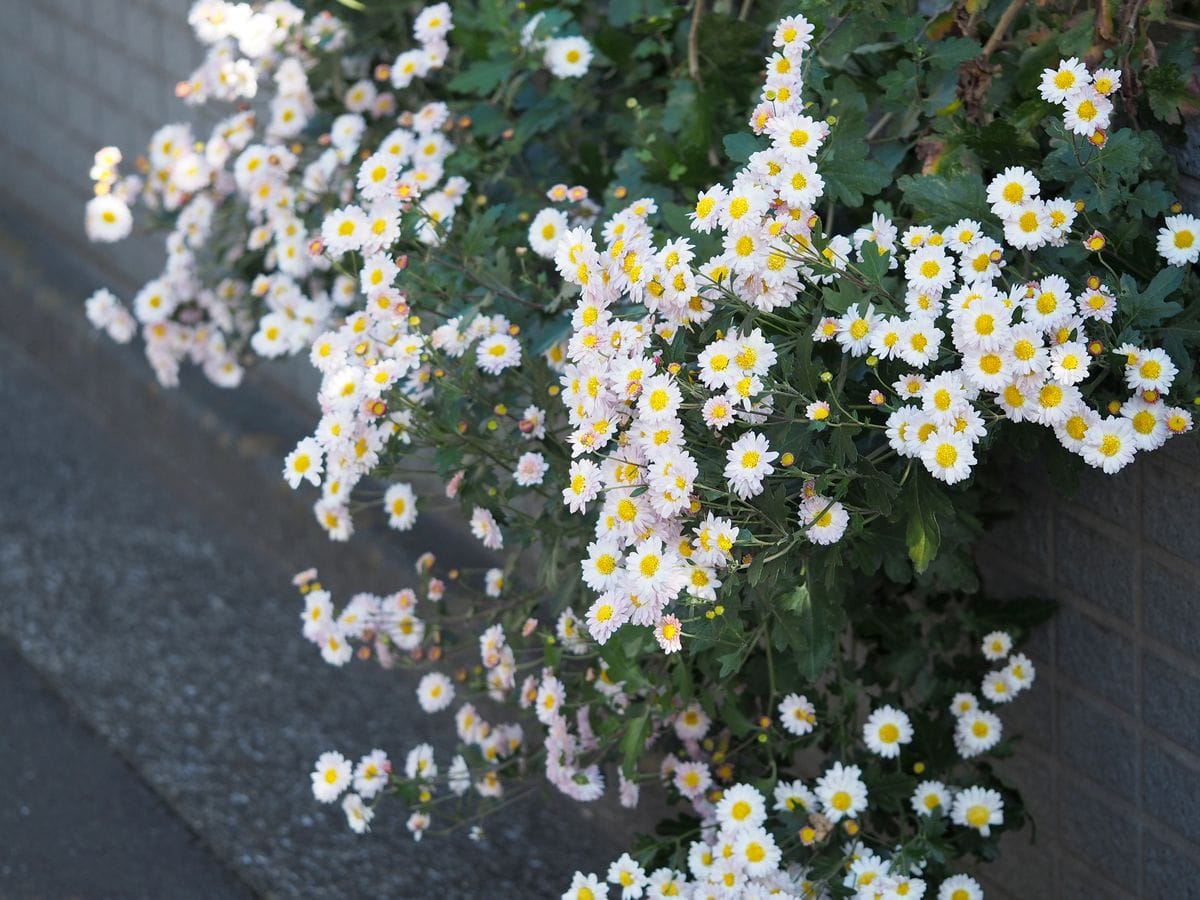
729,447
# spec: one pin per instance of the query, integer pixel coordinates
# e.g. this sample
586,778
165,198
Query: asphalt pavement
159,710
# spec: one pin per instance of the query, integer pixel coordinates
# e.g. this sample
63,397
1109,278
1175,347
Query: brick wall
74,77
1110,760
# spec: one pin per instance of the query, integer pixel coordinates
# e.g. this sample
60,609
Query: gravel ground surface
145,561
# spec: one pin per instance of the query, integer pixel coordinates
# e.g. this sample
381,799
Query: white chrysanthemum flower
586,887
546,230
531,469
996,645
400,503
630,877
497,353
995,687
960,887
568,57
886,730
977,732
741,806
748,462
330,777
1058,83
842,792
1010,190
304,464
371,773
435,692
1110,444
797,715
107,219
978,808
1020,672
928,796
358,814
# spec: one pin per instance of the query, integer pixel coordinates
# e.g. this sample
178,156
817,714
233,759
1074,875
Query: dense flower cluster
694,458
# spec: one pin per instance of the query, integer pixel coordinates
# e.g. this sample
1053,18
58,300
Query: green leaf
810,629
741,146
633,743
922,534
943,200
1151,306
481,77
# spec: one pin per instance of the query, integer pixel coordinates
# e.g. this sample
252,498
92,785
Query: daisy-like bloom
435,692
842,792
740,807
586,887
568,57
886,730
371,773
1153,370
794,796
400,503
1020,672
977,732
1069,362
797,715
1087,110
929,269
304,464
545,231
531,469
692,779
978,808
996,645
1106,81
1029,227
1179,240
630,877
692,723
854,330
608,613
963,703
583,485
948,455
493,582
1058,83
797,136
1097,303
497,353
330,777
718,412
358,814
817,411
824,521
550,697
929,796
995,687
420,764
1179,420
669,632
416,824
485,528
960,887
344,230
1009,191
748,462
756,850
107,219
1109,444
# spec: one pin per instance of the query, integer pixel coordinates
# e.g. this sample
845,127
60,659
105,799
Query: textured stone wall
76,76
1110,761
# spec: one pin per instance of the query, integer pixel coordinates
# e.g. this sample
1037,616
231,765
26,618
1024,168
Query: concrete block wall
76,76
1110,758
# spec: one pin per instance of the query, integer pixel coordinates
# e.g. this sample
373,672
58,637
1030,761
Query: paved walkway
160,710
